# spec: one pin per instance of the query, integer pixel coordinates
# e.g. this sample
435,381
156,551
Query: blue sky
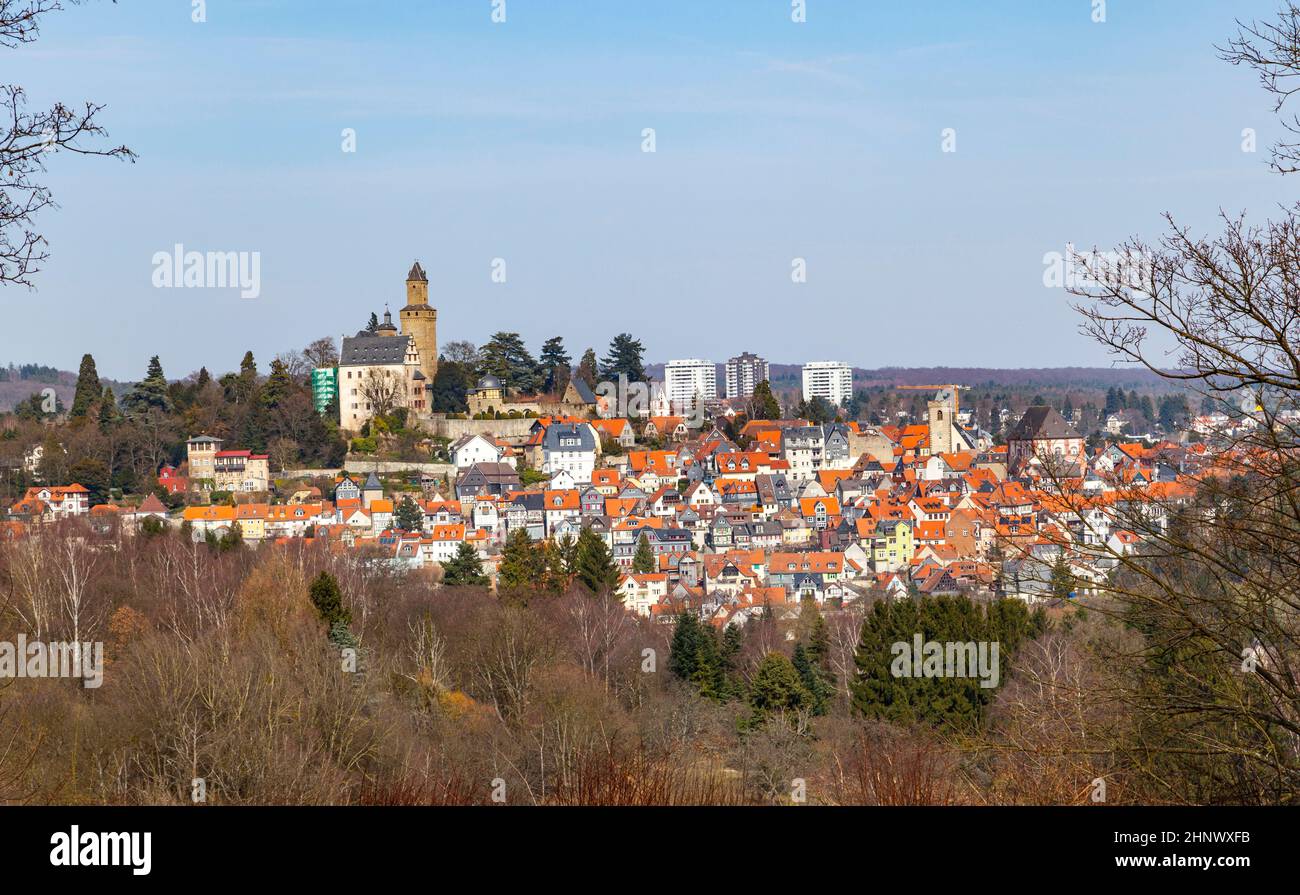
522,141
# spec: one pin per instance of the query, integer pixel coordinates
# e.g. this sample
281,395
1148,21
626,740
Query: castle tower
420,321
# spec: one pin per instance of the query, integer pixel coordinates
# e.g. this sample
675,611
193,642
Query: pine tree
278,386
89,389
327,597
643,562
1062,580
733,641
763,404
554,364
108,414
683,649
708,677
588,369
624,357
465,569
506,357
409,516
150,392
566,554
245,385
819,691
595,566
776,689
522,563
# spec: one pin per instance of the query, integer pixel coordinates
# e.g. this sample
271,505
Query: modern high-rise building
828,379
687,382
743,373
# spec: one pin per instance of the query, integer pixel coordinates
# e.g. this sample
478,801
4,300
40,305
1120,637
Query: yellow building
891,545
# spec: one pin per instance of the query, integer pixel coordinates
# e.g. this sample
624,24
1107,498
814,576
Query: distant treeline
29,372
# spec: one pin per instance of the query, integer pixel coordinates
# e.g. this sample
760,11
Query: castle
383,369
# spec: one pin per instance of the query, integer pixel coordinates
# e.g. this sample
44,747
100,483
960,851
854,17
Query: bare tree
1272,49
30,138
284,452
1215,587
461,352
296,364
29,567
384,391
323,352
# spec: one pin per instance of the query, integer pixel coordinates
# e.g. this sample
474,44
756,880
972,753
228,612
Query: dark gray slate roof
559,435
1041,422
368,350
584,391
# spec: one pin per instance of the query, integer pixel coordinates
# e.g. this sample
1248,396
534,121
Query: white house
470,449
569,447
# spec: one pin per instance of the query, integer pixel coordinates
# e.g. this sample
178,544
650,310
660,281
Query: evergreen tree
150,392
588,370
709,675
233,539
733,641
107,410
522,563
812,679
327,597
644,561
683,649
451,385
624,357
763,404
409,516
507,358
1062,580
372,325
465,569
557,577
595,567
776,689
891,683
554,365
245,385
566,554
89,388
278,386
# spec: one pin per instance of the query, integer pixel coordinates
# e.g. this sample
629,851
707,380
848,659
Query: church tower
942,412
420,321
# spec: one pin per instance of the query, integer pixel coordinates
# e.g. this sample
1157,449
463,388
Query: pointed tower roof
416,274
387,326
